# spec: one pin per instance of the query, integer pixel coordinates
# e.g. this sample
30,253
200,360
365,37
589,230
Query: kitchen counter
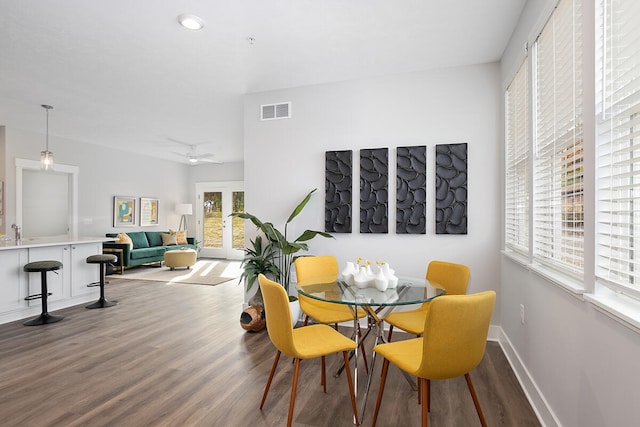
35,242
67,288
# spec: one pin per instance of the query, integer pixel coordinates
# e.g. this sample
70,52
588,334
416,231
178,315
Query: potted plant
284,250
259,259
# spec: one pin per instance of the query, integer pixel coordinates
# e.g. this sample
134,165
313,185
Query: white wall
103,174
284,159
578,365
2,179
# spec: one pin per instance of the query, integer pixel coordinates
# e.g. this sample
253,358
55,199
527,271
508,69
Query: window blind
558,220
517,162
618,147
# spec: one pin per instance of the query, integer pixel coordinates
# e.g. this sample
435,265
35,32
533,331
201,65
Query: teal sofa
147,247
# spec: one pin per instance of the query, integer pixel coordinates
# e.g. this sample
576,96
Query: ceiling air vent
275,111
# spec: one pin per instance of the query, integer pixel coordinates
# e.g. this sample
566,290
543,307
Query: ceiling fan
192,155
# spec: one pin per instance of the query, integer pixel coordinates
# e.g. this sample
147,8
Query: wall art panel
374,190
411,190
451,189
338,187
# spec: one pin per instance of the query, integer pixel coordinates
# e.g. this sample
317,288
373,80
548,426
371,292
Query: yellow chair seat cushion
326,312
319,340
409,321
406,355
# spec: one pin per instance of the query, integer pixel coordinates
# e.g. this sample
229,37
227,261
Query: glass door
221,236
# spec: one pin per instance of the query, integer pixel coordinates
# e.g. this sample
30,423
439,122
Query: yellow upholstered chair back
455,334
453,277
278,315
315,269
312,267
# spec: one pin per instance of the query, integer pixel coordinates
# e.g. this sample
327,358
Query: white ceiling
123,73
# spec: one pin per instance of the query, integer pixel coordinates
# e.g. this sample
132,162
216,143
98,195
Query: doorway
222,236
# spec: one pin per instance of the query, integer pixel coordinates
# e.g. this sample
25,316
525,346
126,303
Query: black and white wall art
374,190
338,185
411,191
451,189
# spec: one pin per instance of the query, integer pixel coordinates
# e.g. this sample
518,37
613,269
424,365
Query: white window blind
517,163
618,147
558,222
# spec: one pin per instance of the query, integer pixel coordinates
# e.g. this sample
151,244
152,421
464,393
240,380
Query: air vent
275,111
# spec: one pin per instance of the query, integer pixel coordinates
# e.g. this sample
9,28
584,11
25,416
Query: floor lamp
184,209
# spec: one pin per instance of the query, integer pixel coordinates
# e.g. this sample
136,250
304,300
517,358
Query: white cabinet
84,273
12,280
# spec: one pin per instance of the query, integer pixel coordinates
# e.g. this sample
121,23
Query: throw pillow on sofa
124,238
169,239
154,238
181,236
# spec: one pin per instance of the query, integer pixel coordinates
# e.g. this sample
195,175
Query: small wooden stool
42,267
101,259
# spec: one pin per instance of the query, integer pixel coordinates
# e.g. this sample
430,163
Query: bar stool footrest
35,296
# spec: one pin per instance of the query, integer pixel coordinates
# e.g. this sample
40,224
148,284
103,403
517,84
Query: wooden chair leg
390,332
475,400
385,369
345,355
294,387
323,377
306,320
428,395
273,370
425,401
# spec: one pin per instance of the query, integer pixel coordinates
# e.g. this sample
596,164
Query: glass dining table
407,292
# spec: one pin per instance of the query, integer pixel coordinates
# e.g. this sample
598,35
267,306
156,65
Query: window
517,163
558,169
618,148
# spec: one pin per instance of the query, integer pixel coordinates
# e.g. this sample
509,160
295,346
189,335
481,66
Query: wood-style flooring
175,355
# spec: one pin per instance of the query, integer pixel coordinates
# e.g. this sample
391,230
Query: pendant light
46,156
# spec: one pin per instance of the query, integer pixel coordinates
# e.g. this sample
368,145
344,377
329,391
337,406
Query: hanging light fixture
46,156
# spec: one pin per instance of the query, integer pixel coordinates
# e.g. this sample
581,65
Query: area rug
204,272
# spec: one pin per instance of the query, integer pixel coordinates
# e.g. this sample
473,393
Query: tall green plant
259,259
285,248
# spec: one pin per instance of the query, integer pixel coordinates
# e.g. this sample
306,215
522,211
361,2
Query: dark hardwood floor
175,355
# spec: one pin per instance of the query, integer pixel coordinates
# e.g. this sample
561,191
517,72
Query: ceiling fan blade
201,156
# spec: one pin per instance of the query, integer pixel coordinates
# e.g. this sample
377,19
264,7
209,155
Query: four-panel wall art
450,201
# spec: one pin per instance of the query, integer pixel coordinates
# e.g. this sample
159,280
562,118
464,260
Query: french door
221,236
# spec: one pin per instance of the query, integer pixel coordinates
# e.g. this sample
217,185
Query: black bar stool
101,259
42,267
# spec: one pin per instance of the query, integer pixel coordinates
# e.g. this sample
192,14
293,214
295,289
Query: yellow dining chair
319,269
307,342
454,278
454,341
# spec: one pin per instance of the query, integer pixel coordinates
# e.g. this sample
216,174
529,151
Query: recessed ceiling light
190,22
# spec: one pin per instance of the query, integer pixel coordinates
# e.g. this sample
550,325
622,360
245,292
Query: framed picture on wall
124,211
148,212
